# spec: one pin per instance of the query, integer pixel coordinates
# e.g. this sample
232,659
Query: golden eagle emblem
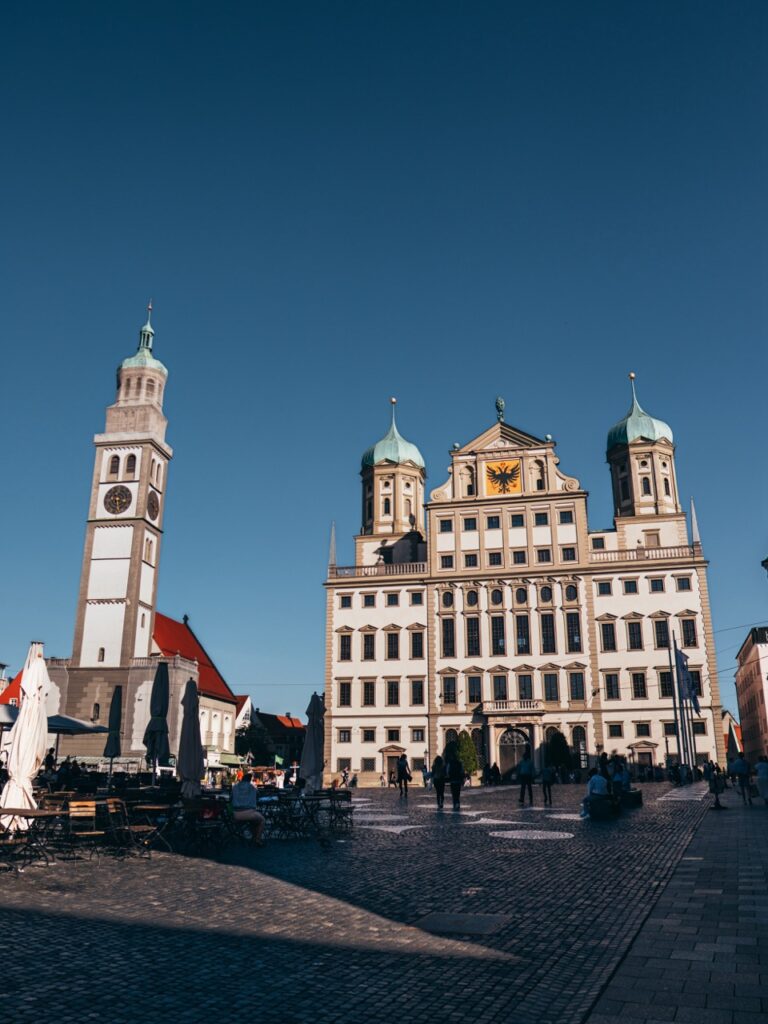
503,477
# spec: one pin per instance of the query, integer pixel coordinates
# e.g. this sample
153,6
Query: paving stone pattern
299,933
702,954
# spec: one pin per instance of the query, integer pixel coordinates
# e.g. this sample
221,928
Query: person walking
438,780
456,773
741,771
403,775
761,771
525,776
548,776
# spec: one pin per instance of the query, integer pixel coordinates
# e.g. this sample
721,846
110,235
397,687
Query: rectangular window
569,554
345,735
661,633
566,517
615,729
417,597
470,561
417,692
369,646
393,735
417,735
446,561
446,526
499,687
551,686
635,636
369,694
639,688
670,729
470,525
522,634
696,680
473,637
449,689
657,586
369,735
665,684
493,522
342,763
393,600
688,627
393,693
368,764
345,601
417,644
369,600
612,691
642,729
548,644
345,695
543,555
393,646
474,689
598,543
608,636
345,647
519,557
603,588
700,728
630,586
449,638
494,558
517,521
498,643
573,632
576,682
683,582
525,686
541,519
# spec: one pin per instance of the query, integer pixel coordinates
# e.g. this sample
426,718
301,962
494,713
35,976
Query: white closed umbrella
28,738
190,764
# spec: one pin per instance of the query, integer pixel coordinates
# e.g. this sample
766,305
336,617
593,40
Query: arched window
646,485
96,713
666,487
101,654
150,389
550,733
451,736
538,475
159,474
114,465
546,593
408,507
470,481
130,467
147,550
521,595
387,507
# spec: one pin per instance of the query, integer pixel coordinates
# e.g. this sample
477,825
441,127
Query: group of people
741,772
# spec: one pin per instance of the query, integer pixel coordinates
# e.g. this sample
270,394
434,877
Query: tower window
100,656
130,466
646,485
150,389
127,387
114,465
666,487
96,715
387,507
624,490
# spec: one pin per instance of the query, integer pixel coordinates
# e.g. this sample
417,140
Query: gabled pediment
345,629
686,613
416,625
500,436
605,617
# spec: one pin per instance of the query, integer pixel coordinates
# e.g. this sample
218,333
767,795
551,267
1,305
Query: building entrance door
512,743
391,766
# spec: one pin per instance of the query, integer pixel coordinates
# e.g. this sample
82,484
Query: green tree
558,751
255,740
467,752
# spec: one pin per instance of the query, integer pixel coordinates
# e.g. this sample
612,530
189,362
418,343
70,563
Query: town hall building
492,607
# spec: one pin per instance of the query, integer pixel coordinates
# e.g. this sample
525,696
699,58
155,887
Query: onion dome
638,424
143,356
393,448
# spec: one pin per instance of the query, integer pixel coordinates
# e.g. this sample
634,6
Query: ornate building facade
494,608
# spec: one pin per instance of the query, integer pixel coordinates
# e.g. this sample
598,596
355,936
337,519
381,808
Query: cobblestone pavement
702,954
298,933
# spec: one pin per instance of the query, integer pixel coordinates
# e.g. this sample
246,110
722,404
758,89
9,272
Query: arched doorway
512,743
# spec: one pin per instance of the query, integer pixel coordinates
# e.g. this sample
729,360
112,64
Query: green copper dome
143,356
393,448
638,424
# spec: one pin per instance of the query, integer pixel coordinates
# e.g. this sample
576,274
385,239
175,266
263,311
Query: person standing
403,775
548,776
741,771
438,780
761,771
525,776
456,774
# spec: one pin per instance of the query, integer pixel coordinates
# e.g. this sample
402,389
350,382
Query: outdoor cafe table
159,817
42,829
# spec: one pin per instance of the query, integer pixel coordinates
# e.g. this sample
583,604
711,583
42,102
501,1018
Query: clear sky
332,203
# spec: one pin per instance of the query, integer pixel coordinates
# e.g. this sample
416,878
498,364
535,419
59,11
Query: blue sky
331,203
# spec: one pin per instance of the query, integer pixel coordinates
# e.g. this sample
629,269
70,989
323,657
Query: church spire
695,535
147,334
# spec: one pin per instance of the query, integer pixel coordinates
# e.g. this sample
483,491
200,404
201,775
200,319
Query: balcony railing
395,569
491,707
641,554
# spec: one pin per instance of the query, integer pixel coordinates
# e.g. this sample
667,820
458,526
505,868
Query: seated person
597,788
244,806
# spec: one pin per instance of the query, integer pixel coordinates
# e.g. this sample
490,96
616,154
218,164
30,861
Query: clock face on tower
153,505
117,500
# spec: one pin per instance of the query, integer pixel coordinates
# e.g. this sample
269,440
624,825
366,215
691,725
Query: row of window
635,639
131,388
391,648
391,600
392,735
616,729
656,585
392,693
522,635
129,469
493,522
543,556
545,592
369,764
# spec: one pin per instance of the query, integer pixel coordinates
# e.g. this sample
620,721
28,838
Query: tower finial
149,312
632,376
393,403
332,546
147,332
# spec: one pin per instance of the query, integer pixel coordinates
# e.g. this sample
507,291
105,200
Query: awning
231,760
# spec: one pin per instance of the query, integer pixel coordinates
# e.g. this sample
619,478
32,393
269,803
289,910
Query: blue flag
687,688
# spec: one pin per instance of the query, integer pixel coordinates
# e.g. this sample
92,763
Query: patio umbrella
113,748
64,725
312,753
28,741
156,733
190,764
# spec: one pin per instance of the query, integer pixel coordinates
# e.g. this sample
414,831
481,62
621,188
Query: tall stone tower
118,582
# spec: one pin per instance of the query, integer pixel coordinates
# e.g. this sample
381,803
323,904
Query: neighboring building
286,734
119,637
731,736
494,608
11,692
244,711
751,685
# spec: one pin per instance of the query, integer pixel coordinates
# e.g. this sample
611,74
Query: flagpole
683,720
674,708
693,739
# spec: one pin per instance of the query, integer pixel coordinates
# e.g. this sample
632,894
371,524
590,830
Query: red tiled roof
240,698
289,723
12,691
174,637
